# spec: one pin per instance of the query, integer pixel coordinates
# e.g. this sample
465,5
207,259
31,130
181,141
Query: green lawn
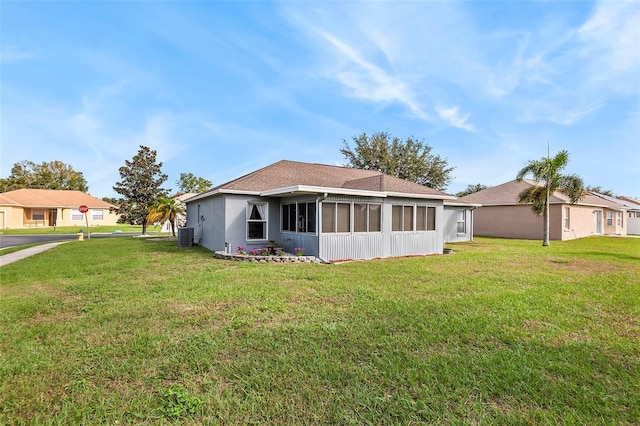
132,331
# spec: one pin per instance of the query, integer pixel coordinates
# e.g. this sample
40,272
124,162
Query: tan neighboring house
29,208
502,216
633,214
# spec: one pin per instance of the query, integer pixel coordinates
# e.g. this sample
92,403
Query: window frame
402,208
38,214
294,210
429,216
421,218
463,222
76,215
432,222
366,221
96,218
264,220
609,218
566,220
336,216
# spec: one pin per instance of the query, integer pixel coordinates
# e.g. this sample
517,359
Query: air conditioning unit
185,237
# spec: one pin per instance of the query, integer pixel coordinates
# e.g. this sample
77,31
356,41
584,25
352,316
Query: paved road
18,240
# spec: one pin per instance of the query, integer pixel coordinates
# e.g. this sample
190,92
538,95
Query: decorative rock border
286,258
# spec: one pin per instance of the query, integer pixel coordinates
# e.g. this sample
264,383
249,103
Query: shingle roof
507,194
629,205
630,200
51,198
286,174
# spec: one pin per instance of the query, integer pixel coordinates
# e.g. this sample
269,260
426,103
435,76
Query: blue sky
220,89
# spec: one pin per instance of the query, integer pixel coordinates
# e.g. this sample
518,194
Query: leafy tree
166,209
599,190
547,172
410,159
472,189
190,183
140,186
112,200
48,175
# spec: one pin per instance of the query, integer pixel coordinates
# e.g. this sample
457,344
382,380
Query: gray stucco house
335,213
458,220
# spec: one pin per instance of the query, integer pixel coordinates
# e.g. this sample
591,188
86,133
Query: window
619,218
306,217
76,215
366,217
421,218
461,223
343,213
402,218
567,222
300,217
97,214
609,218
431,218
289,217
311,217
336,217
257,221
408,218
37,214
375,218
396,218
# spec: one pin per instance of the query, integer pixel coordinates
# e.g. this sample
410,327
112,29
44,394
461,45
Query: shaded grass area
503,331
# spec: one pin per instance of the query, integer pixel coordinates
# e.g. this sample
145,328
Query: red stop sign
83,209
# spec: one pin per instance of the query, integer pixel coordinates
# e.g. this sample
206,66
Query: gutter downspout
471,227
319,201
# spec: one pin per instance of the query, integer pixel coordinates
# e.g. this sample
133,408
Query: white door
598,222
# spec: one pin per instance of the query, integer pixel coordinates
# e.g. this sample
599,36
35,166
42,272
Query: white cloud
610,42
91,134
568,117
10,54
368,80
453,117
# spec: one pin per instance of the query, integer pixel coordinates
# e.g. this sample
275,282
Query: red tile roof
287,174
51,198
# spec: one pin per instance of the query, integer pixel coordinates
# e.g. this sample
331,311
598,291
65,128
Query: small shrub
176,402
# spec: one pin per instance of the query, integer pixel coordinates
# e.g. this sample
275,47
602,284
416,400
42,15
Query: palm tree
163,209
547,172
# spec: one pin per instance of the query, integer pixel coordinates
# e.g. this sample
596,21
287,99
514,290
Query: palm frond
536,196
572,186
165,209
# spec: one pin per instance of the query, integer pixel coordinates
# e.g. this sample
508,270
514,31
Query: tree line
144,200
